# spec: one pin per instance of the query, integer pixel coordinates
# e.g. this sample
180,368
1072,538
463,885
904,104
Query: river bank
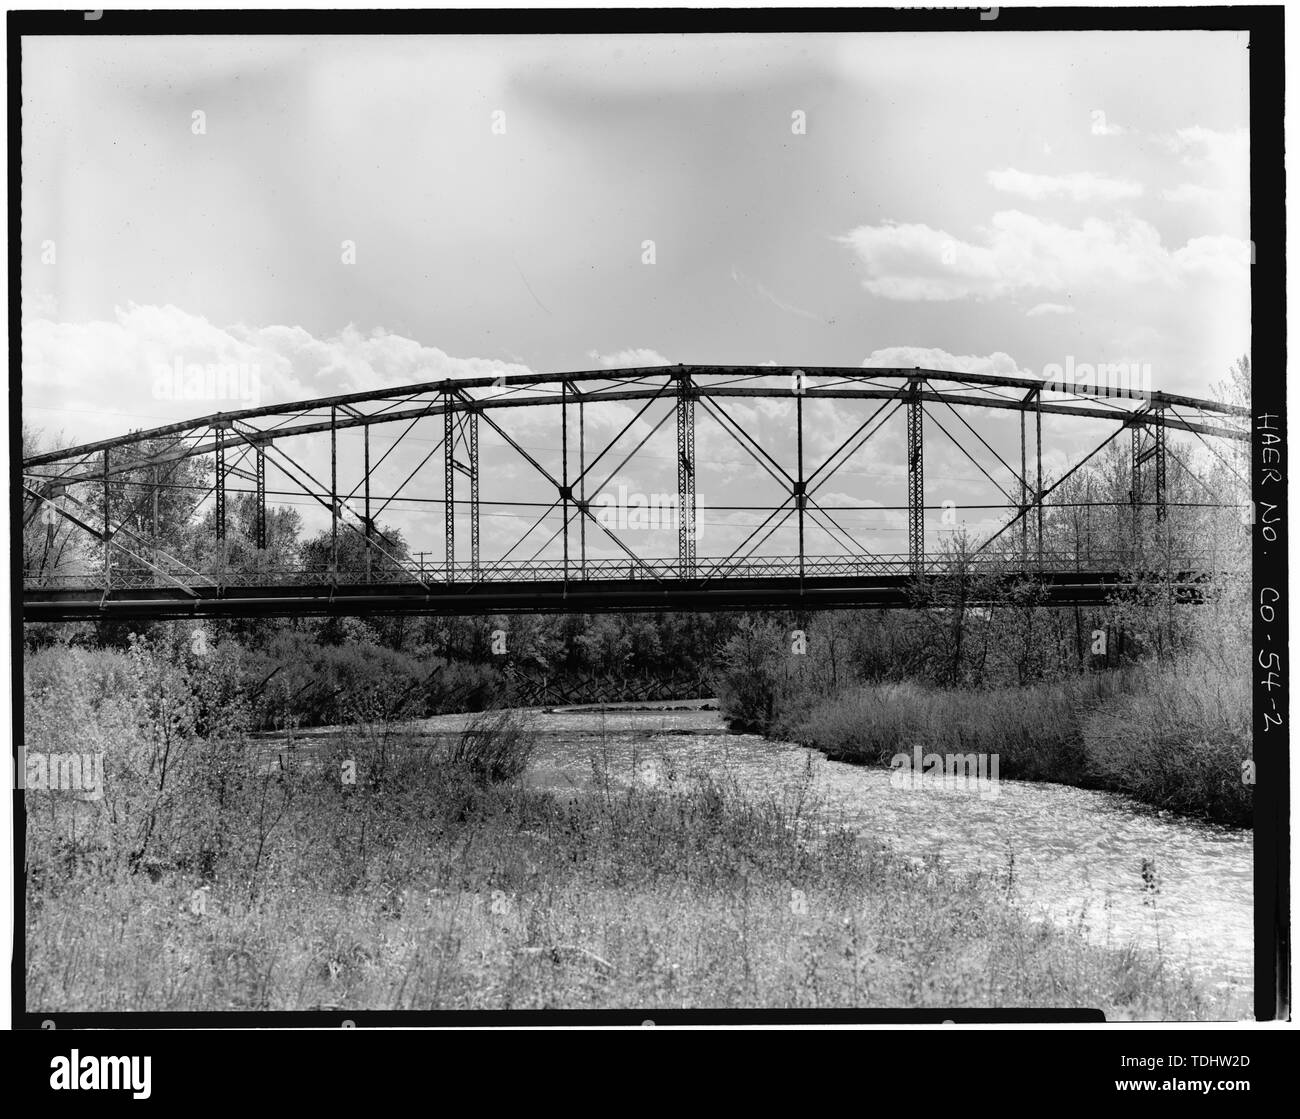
1178,739
429,891
633,858
1074,857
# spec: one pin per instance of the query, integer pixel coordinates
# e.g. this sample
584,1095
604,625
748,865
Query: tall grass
1036,731
438,880
1174,739
448,893
1183,746
494,746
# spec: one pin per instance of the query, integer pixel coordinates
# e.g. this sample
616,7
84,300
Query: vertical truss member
334,495
369,525
460,425
1038,488
471,420
220,483
566,490
260,509
915,481
686,534
582,489
799,488
1135,487
1162,508
449,482
1024,497
108,533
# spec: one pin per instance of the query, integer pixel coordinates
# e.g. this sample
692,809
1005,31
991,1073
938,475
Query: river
1078,854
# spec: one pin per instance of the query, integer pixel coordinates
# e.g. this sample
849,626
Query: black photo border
1270,670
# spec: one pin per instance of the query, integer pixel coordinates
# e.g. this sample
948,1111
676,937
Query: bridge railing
705,570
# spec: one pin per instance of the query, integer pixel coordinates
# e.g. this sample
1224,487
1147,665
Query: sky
350,213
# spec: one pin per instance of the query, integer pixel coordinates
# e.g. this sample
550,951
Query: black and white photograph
724,518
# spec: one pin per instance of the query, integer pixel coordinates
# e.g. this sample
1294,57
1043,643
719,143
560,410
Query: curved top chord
1080,398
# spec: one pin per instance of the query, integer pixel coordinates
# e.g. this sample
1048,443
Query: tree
241,554
954,611
52,545
389,555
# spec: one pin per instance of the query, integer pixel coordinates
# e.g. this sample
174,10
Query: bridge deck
815,592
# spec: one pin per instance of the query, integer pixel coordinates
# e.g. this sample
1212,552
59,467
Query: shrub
494,746
1175,740
1035,731
747,682
1179,745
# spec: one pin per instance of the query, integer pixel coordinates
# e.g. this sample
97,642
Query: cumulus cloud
912,261
1049,309
1079,186
1102,127
110,368
997,364
628,359
98,379
1207,147
1216,257
1018,252
1222,159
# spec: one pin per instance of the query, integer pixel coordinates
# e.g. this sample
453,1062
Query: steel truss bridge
107,493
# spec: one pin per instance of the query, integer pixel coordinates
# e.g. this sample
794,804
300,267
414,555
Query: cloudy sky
351,213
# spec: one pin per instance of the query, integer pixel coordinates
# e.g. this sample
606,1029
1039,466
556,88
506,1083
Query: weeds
1173,739
447,883
494,746
1180,746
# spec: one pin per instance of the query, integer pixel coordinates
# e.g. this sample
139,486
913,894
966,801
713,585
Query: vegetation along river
1075,856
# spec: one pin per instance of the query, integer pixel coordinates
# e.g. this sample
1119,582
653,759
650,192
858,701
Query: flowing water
1076,856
